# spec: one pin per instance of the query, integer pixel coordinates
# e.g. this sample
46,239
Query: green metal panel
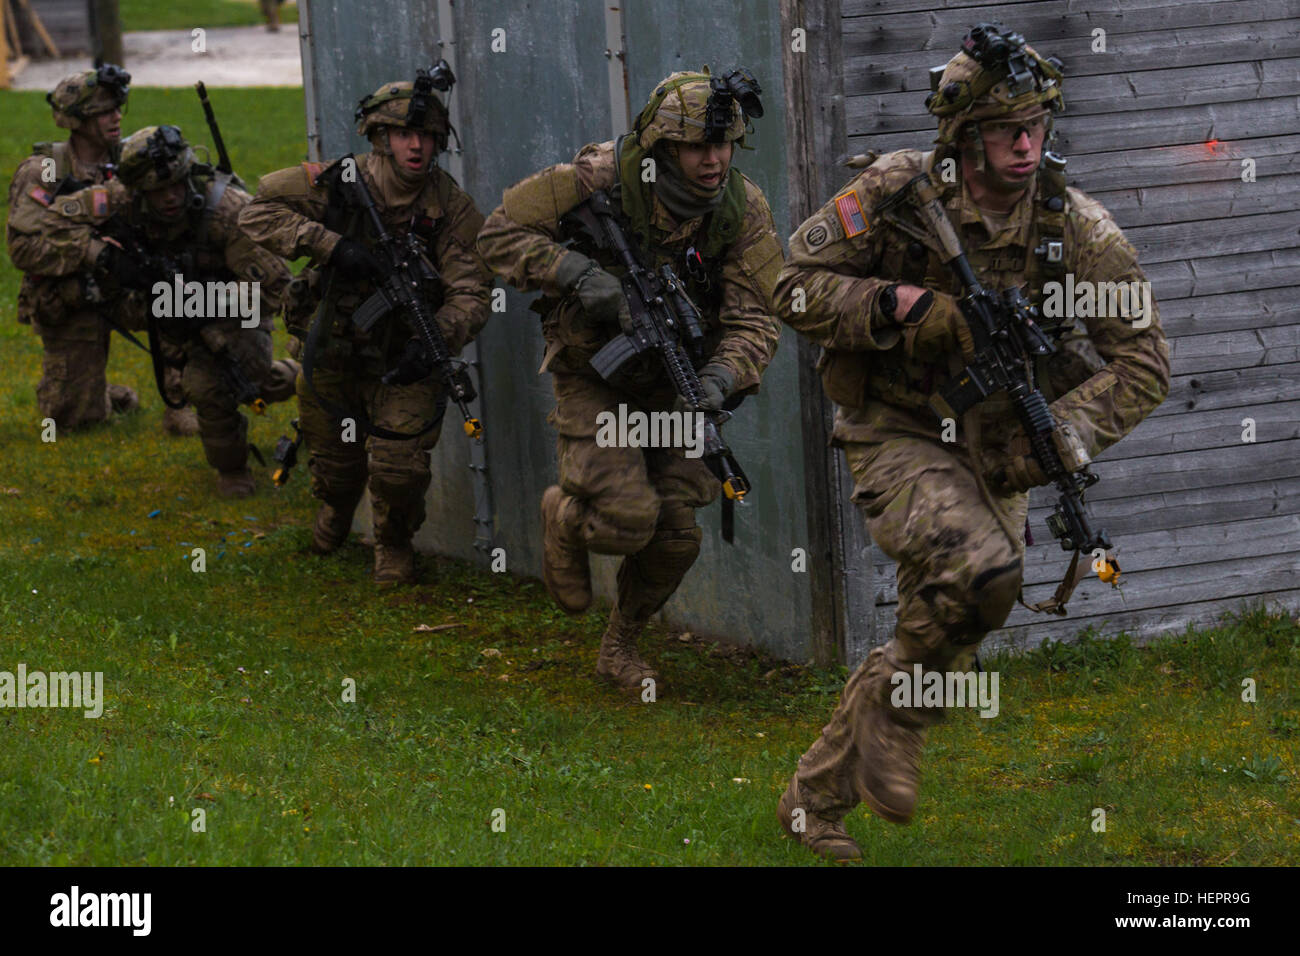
749,589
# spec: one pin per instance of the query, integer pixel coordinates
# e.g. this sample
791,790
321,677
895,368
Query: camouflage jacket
292,216
50,237
522,242
1105,378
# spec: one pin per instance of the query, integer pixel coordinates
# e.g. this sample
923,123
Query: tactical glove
602,298
716,381
1017,469
935,328
354,261
413,366
123,269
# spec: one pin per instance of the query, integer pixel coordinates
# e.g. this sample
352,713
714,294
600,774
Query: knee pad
669,556
394,483
996,590
602,534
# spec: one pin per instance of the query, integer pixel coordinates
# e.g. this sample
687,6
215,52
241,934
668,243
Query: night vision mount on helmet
422,110
738,86
90,93
995,74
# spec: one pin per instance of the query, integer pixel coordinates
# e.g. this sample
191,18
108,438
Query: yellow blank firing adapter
258,405
1109,572
473,428
280,476
735,489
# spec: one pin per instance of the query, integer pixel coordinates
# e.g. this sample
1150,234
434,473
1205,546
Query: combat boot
890,746
566,569
394,565
821,832
123,398
235,484
619,661
181,422
330,529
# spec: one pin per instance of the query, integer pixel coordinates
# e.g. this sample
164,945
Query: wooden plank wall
1156,128
68,23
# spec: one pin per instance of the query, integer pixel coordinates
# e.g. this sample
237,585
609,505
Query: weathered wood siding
67,21
1157,128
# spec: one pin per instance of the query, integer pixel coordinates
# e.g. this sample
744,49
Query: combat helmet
89,93
995,74
157,156
410,105
697,108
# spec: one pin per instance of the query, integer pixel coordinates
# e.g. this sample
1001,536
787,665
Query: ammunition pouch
844,376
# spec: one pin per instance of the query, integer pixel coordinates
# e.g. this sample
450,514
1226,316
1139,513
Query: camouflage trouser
223,429
173,370
958,577
398,471
638,502
73,389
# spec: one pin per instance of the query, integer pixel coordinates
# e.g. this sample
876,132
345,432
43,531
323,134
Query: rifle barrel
223,158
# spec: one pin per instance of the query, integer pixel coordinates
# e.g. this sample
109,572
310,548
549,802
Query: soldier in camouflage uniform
714,226
304,211
952,514
58,257
188,210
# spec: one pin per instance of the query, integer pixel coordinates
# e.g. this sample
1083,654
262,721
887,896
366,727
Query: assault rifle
161,267
402,289
1004,332
665,321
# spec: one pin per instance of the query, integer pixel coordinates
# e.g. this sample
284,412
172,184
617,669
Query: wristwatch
887,304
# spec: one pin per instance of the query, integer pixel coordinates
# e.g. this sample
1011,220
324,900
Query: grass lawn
168,15
224,689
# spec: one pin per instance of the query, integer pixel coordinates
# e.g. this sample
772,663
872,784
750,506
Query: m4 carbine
663,320
402,288
161,267
1004,332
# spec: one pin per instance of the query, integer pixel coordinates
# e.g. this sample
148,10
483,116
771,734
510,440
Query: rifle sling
1056,603
159,363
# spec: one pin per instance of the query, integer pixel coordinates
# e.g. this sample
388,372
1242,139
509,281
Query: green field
224,688
166,15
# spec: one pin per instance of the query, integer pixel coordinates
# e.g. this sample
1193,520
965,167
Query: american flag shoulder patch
851,215
40,195
313,171
99,201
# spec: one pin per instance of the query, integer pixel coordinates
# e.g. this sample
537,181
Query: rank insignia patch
851,216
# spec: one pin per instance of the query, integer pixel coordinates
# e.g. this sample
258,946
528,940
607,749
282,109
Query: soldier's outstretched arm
285,215
467,281
1111,403
751,330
